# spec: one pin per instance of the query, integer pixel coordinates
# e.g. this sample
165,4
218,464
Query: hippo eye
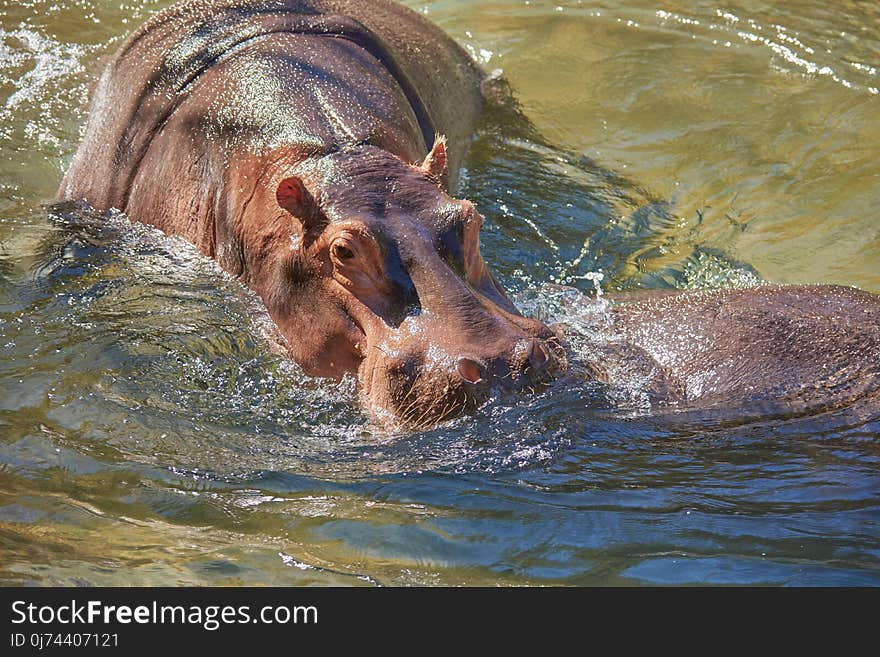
342,252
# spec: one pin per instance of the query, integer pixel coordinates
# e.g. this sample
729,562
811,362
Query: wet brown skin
294,143
756,352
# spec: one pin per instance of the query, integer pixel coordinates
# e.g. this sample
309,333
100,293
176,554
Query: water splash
596,277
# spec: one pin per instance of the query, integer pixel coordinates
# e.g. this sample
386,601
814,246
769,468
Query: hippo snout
532,362
421,389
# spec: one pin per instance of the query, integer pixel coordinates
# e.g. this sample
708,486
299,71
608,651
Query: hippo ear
293,196
435,162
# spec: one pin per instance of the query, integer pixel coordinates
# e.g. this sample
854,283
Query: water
148,435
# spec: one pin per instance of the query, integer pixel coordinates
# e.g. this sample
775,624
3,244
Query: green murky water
147,435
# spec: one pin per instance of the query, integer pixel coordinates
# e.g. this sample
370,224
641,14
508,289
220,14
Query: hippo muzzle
427,370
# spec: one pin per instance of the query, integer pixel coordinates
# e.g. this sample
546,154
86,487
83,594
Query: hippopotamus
740,354
313,149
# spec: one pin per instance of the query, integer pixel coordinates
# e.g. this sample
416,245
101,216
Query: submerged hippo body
764,351
295,143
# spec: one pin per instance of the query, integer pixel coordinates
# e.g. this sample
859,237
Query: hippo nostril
470,370
538,355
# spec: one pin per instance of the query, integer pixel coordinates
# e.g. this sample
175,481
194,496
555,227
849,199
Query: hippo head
381,275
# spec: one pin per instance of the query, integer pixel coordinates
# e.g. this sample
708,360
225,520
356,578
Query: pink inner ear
435,162
293,196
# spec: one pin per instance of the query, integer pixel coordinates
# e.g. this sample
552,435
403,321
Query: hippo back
156,68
